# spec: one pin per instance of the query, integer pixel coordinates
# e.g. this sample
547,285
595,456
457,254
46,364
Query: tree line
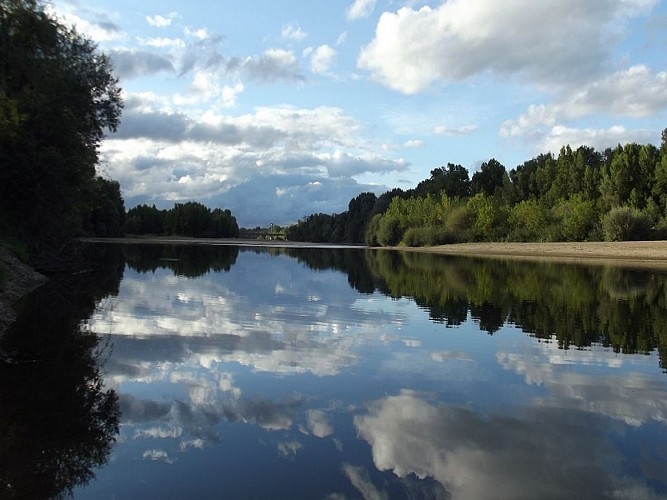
581,194
191,219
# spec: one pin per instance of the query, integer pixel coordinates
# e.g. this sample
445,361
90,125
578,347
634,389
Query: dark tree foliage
185,219
107,214
358,213
317,228
453,180
58,97
489,178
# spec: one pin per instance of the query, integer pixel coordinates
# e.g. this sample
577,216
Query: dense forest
582,194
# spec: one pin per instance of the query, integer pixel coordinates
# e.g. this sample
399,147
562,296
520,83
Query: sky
282,109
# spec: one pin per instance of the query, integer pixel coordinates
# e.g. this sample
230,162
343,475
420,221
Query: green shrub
371,235
625,224
577,217
427,236
458,224
389,231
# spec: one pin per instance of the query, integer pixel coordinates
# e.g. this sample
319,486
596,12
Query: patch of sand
636,253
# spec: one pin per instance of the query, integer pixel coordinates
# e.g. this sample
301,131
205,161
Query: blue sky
277,110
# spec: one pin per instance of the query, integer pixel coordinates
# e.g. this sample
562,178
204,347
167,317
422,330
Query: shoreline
647,254
632,254
644,254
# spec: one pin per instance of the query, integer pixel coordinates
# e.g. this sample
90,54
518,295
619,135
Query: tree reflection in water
578,306
57,422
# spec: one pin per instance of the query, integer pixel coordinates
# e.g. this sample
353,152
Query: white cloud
159,21
293,31
494,456
635,92
199,33
230,94
319,423
413,143
321,59
578,391
599,139
462,130
360,9
274,150
414,48
101,30
162,42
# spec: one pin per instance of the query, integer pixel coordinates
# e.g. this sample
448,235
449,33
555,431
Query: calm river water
238,372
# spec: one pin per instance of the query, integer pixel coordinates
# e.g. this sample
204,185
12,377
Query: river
203,371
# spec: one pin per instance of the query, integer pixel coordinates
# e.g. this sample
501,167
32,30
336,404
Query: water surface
290,373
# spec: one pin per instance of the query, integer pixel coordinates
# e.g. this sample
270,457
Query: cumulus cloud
598,138
493,456
609,397
321,59
360,9
414,48
159,21
319,423
101,28
293,31
413,143
303,160
633,93
361,480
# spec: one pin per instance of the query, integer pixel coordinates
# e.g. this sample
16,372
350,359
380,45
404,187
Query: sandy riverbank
633,253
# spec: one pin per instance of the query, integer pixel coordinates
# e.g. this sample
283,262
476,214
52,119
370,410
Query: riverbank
630,253
635,253
19,280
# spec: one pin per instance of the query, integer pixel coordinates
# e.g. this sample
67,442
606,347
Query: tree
358,212
107,215
489,178
58,97
453,180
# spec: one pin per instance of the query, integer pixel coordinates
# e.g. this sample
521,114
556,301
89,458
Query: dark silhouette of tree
358,213
58,97
489,178
453,180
